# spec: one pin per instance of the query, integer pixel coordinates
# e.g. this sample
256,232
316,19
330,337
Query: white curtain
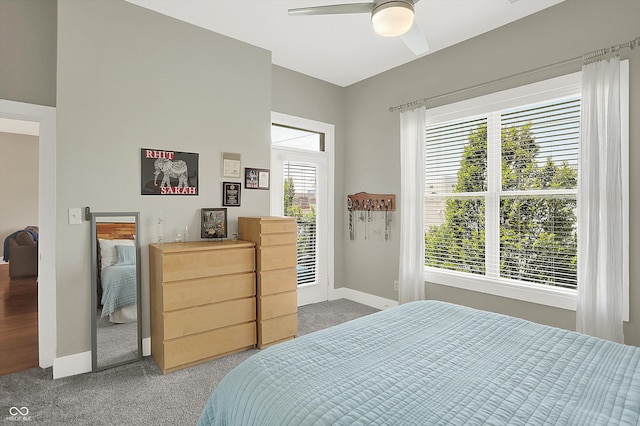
412,140
599,304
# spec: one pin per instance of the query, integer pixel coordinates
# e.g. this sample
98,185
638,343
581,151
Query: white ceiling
341,49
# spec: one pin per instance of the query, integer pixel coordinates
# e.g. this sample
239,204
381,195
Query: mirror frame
94,289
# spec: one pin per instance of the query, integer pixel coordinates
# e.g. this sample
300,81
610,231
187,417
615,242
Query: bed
117,266
433,363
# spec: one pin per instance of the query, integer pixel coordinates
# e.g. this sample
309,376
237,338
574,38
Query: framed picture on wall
231,165
256,178
168,172
213,223
231,194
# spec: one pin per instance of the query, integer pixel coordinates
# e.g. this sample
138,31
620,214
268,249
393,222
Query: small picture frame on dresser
213,223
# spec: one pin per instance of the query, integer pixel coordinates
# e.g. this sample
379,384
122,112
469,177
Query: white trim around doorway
46,117
329,131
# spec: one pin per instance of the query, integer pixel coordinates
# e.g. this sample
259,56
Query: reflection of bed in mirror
117,278
115,289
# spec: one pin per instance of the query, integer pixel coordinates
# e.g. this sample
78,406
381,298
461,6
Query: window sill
550,296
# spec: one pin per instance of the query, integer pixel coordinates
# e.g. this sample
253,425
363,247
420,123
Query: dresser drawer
277,281
179,266
277,239
184,322
201,291
211,344
279,226
276,257
277,305
278,329
259,230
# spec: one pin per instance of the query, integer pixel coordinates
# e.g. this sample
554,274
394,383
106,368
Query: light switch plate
75,216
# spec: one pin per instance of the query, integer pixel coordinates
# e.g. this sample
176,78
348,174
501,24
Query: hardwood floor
18,323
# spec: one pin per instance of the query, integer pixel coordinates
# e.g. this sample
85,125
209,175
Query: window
501,175
290,137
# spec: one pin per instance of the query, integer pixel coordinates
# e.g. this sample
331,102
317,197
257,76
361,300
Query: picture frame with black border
256,178
213,223
231,192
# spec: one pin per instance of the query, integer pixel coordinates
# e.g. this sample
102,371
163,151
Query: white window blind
500,194
300,190
456,182
538,224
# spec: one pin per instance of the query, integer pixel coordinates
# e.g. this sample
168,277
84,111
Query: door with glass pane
299,189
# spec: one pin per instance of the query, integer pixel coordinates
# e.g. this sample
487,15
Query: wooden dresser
203,301
276,260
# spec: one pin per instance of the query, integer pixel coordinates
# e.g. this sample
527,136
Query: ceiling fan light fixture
392,18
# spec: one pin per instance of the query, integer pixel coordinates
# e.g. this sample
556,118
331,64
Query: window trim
542,91
557,297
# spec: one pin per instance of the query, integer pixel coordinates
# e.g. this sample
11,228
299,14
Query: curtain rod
630,44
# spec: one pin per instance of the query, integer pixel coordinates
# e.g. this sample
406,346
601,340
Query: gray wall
19,154
129,78
567,30
28,51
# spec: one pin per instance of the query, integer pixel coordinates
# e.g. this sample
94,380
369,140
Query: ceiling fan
390,18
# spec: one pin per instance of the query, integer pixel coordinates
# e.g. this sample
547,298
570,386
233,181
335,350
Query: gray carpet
138,394
116,342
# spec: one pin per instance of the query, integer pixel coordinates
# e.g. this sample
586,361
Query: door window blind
300,190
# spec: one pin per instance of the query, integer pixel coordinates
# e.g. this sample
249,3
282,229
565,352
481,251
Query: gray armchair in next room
21,250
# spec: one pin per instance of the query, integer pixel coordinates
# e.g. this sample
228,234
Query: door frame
46,116
276,193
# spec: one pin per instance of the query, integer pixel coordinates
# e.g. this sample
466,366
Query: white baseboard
71,365
361,297
146,346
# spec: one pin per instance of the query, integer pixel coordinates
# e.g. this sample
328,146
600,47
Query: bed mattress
433,363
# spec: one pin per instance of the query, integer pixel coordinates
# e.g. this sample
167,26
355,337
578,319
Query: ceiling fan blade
333,9
415,40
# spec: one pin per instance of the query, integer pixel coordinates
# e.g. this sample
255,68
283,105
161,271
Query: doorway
19,142
302,187
46,117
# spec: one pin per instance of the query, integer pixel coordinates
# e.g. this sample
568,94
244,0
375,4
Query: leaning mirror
115,289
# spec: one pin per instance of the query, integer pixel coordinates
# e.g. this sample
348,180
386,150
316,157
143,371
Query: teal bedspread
433,363
118,288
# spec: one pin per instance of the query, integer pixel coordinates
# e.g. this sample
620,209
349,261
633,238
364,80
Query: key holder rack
363,201
372,213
